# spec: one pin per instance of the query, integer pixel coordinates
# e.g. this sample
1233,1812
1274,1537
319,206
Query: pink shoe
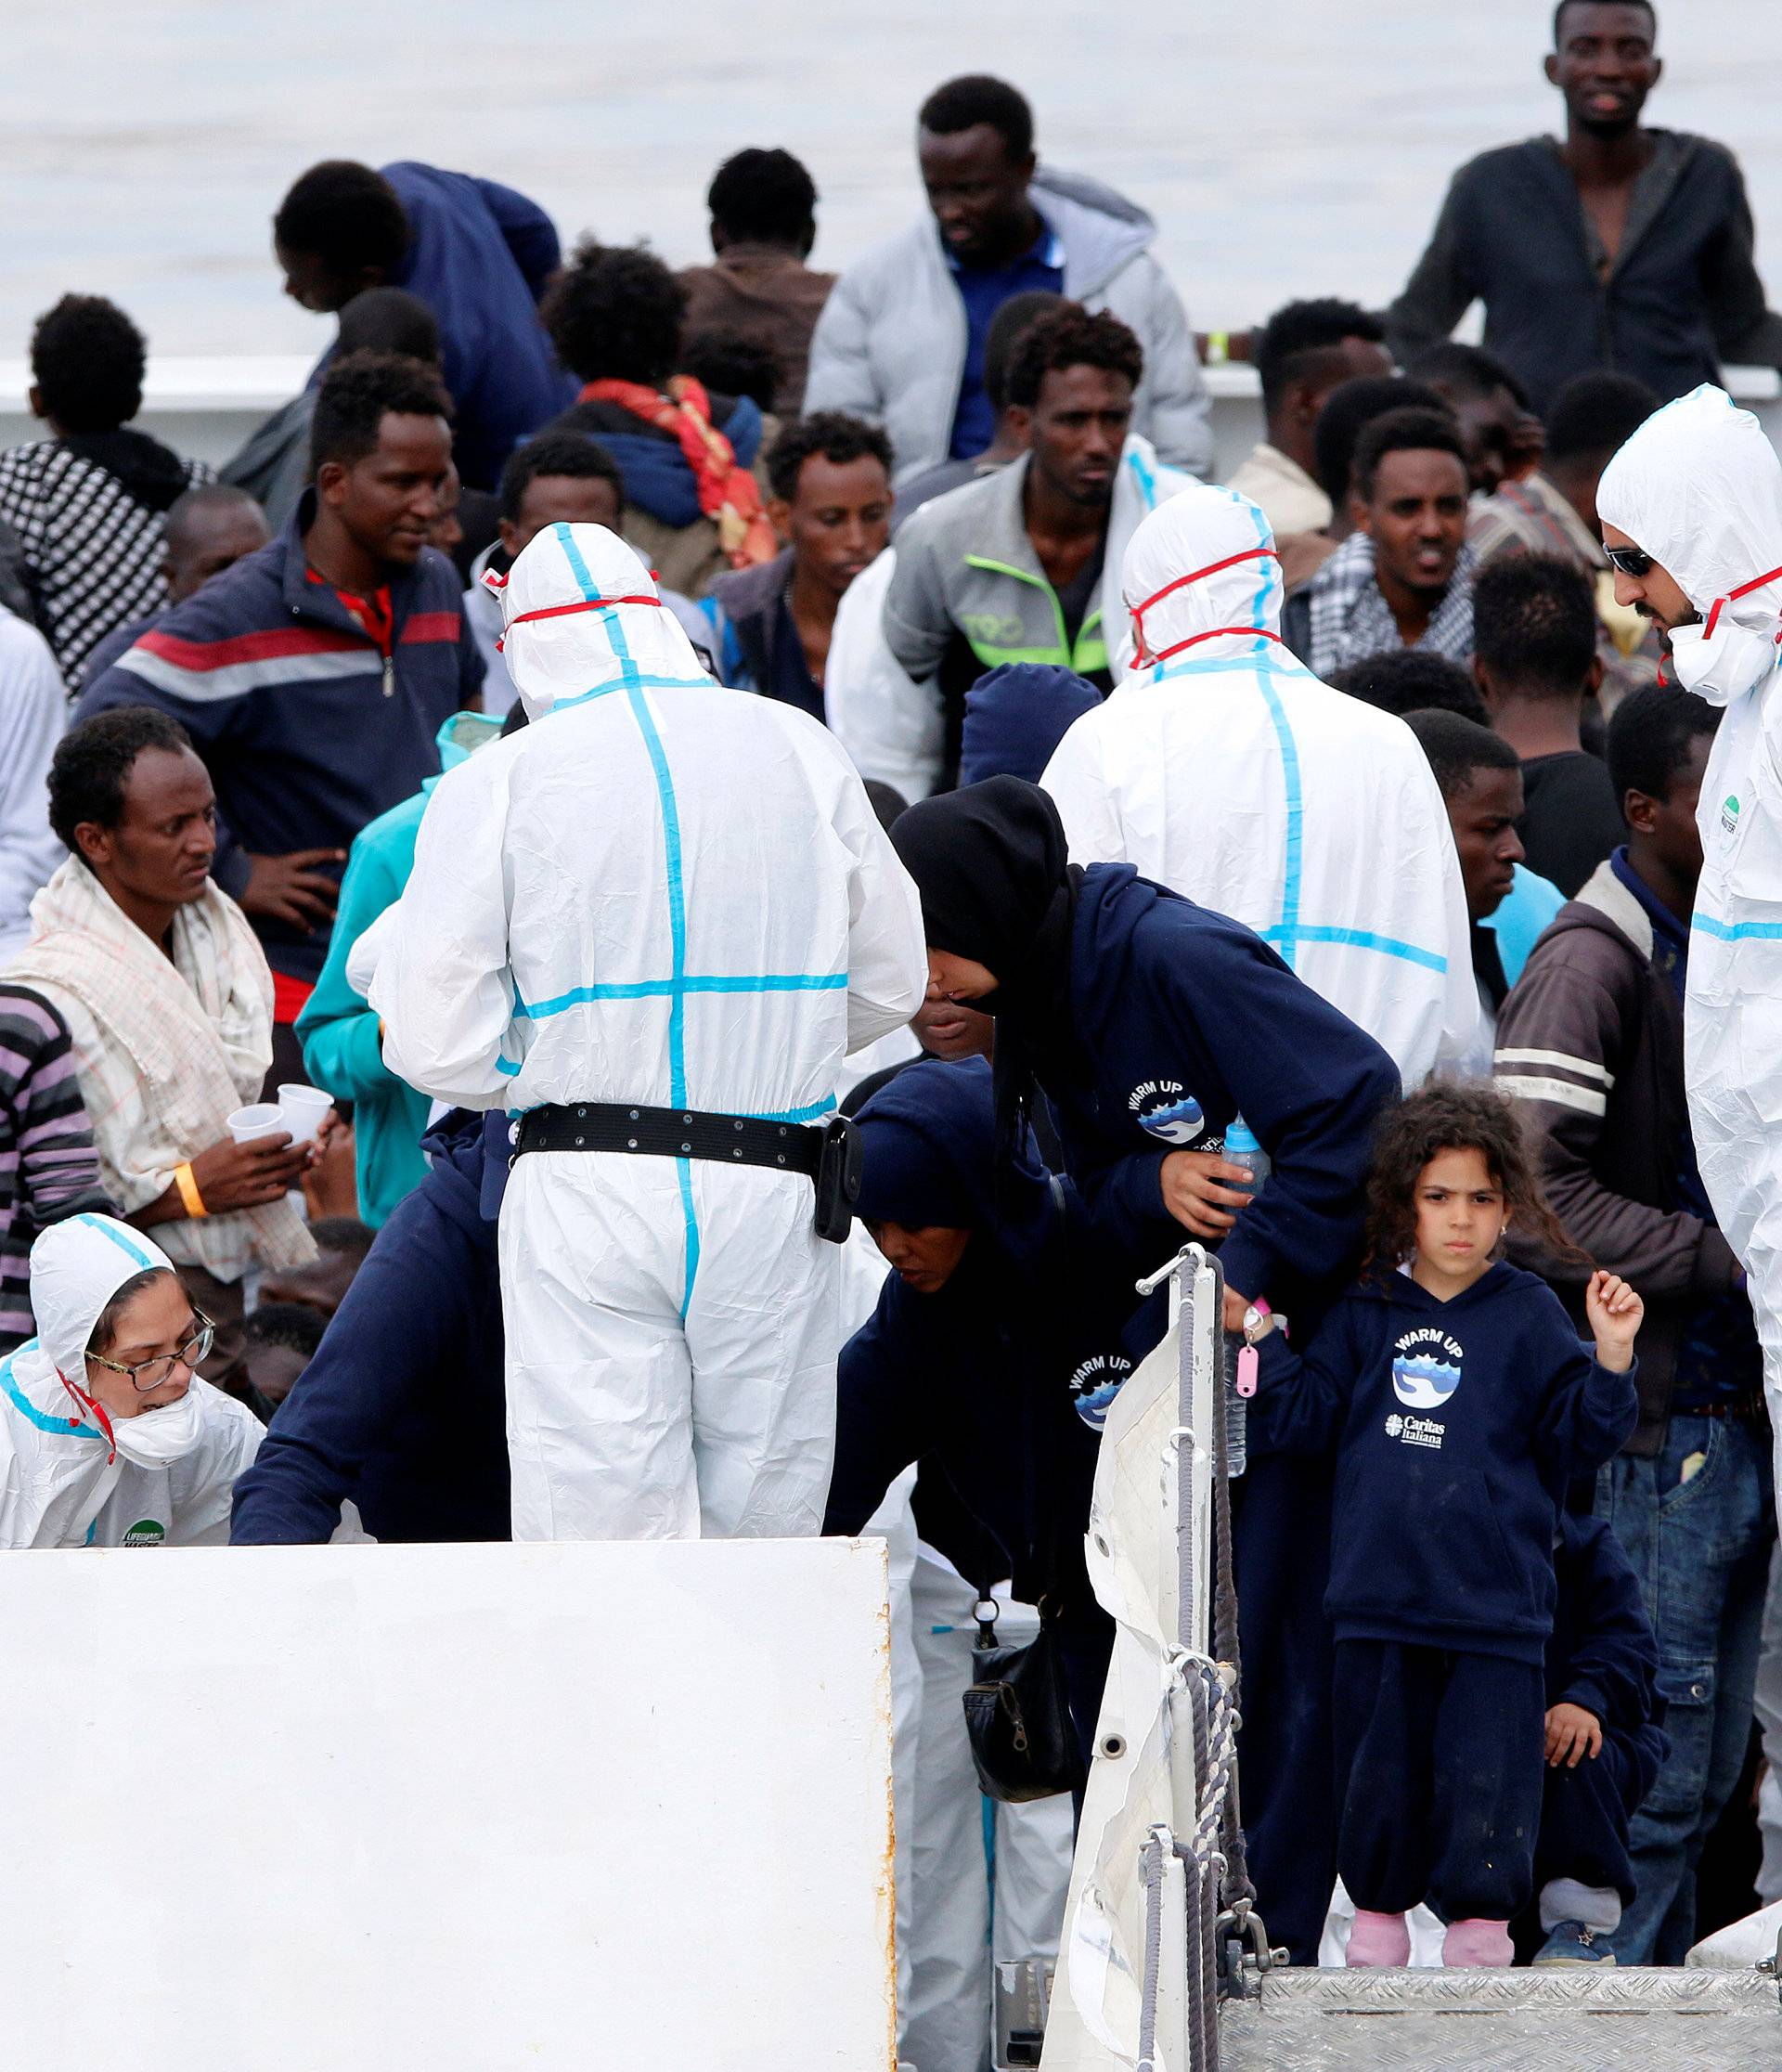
1478,1945
1378,1941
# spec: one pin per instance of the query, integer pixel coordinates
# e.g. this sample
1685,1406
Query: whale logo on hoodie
1423,1382
1179,1120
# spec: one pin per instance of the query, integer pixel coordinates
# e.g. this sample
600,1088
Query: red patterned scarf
726,494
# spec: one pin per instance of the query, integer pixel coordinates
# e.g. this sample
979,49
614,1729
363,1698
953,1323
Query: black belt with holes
654,1132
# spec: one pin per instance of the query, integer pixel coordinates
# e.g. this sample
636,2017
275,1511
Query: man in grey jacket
901,339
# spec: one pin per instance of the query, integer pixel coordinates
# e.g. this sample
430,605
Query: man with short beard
1692,525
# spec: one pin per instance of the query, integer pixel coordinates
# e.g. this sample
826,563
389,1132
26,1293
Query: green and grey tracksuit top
966,573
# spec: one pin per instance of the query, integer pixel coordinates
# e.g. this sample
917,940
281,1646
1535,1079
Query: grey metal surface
1513,2021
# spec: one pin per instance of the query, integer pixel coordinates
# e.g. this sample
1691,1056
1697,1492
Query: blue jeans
1701,1551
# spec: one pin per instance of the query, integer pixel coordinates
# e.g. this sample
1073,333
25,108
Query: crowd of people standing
619,724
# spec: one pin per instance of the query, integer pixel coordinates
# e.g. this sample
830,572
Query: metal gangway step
1505,2021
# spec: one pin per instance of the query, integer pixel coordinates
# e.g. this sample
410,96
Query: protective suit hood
1698,487
1202,564
76,1268
581,614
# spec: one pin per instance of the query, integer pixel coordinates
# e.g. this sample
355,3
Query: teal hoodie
342,1050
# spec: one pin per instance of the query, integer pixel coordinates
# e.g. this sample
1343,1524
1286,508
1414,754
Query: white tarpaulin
1133,1563
583,1808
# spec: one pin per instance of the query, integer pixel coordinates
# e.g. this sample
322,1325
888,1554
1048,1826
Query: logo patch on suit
146,1532
1165,1109
1095,1384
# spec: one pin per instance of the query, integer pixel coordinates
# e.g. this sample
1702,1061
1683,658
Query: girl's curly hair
1450,1116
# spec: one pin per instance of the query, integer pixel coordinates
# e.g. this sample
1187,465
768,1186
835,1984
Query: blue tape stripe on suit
630,676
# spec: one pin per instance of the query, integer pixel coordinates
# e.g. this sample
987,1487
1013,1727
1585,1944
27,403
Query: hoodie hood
928,1159
1100,229
1699,487
149,474
1493,1286
1016,715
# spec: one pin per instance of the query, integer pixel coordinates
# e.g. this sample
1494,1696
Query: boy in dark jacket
1603,1746
1590,1045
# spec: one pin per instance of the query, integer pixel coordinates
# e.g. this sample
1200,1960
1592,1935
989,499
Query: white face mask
158,1438
1728,666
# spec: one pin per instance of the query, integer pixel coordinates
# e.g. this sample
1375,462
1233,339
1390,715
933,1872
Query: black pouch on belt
838,1179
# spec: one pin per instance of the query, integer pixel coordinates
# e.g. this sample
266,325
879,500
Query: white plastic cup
303,1108
263,1119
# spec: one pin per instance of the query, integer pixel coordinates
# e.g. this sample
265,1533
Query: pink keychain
1246,1355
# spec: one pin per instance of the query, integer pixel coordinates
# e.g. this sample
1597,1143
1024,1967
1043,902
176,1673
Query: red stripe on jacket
431,625
278,644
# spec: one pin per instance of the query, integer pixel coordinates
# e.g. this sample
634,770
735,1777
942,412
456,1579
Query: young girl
1459,1402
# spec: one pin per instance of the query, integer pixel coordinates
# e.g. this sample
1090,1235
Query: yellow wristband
188,1192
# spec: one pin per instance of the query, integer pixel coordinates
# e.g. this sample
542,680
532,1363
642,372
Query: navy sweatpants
1586,1814
1440,1773
1281,1548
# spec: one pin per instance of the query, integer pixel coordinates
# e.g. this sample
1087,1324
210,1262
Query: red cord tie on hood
562,611
1744,589
1199,575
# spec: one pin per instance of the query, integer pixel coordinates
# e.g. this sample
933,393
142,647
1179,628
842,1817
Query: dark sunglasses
1630,560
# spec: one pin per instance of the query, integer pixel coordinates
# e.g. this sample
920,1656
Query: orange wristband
188,1192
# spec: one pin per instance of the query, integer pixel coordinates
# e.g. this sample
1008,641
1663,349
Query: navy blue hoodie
1603,1655
1455,1426
1181,1020
1001,1379
403,1408
479,256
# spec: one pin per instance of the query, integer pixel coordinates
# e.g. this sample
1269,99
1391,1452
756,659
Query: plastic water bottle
1241,1150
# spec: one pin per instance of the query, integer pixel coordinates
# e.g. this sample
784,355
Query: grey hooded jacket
890,346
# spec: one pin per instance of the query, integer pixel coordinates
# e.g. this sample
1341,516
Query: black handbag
1017,1715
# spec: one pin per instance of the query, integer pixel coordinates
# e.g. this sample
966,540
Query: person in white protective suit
1692,522
108,1436
652,924
1225,770
896,728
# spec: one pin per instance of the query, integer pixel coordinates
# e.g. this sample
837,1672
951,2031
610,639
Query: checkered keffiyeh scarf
91,552
1351,620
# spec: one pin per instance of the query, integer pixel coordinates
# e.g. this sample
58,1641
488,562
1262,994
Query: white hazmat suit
1228,772
73,1477
668,893
1698,487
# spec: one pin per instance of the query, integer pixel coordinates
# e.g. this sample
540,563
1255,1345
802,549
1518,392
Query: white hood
1698,487
76,1268
1201,563
607,624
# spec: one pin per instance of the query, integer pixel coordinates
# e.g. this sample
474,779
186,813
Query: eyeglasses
149,1374
1630,560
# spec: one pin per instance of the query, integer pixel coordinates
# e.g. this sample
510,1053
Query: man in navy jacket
403,1408
477,253
314,675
